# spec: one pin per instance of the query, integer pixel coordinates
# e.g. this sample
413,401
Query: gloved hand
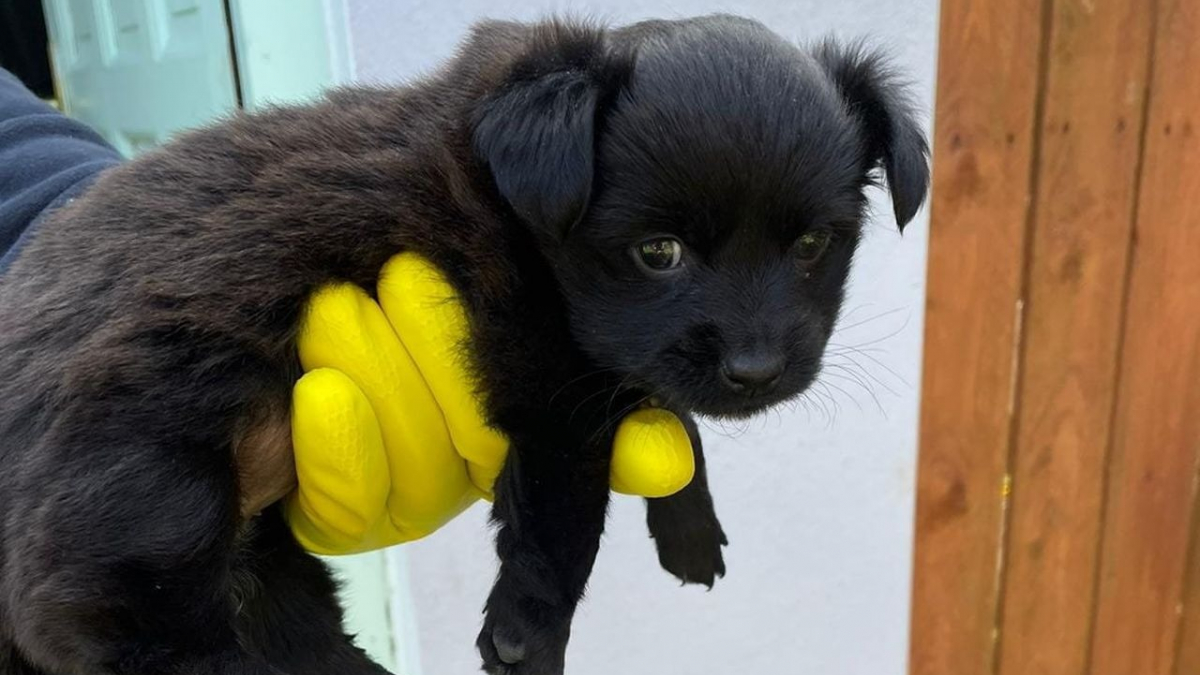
388,435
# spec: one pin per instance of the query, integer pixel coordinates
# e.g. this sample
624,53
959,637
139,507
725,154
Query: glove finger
430,321
339,505
652,454
347,331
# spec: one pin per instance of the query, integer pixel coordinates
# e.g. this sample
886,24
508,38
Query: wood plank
983,145
1156,434
1083,215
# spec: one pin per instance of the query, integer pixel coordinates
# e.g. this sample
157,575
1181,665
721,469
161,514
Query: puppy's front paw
689,543
523,633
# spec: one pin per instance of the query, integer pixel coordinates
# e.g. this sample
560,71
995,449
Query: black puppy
666,211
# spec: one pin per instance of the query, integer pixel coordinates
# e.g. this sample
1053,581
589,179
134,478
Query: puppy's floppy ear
537,131
893,137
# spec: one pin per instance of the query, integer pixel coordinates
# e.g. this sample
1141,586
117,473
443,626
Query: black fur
147,332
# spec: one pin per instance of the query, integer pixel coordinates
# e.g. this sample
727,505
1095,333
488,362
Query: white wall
818,506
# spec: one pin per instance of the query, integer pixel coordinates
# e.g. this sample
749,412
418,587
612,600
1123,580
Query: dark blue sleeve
45,159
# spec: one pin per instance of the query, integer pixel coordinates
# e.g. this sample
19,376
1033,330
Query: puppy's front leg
550,507
685,526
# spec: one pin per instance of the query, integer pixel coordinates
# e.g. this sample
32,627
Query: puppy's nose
752,371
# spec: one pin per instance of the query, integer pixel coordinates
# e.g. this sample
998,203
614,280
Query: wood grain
1187,662
1156,433
983,144
1083,215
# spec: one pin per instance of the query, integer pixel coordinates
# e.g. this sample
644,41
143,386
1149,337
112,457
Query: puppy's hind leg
287,605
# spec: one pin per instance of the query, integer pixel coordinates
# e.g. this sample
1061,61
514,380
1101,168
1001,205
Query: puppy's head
698,187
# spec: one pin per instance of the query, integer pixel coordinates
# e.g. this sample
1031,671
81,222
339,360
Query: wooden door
1058,527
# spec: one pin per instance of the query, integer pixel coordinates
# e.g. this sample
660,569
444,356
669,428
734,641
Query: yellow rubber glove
389,438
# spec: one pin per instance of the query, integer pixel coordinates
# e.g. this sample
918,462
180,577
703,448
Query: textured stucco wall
817,502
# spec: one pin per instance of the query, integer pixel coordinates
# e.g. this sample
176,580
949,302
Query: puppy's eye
811,245
659,255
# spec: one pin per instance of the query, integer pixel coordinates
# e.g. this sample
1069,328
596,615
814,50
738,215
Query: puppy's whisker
822,397
810,404
593,373
621,385
855,368
864,387
846,350
889,335
852,369
584,401
847,372
848,395
612,421
867,355
722,428
802,401
863,322
847,313
834,408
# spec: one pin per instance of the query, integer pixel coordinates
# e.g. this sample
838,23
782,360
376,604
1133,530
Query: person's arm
47,159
